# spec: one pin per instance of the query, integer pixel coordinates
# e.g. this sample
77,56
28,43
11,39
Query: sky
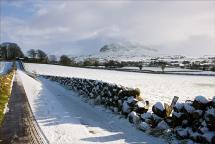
83,27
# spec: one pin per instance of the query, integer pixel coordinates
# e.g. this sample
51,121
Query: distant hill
124,52
119,47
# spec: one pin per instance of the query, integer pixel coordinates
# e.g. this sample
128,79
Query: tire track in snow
99,122
65,118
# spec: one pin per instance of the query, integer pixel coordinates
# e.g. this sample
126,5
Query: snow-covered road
65,118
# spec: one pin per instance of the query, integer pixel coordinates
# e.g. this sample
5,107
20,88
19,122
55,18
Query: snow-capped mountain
124,52
128,51
127,47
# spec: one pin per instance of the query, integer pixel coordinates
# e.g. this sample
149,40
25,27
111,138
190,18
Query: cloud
197,45
83,27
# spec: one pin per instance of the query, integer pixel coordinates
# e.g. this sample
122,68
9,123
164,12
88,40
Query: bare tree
32,53
3,52
140,67
65,60
42,56
163,66
52,58
11,51
72,61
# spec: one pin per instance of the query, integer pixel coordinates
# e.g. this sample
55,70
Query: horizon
82,28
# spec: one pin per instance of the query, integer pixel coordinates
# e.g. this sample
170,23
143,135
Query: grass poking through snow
5,91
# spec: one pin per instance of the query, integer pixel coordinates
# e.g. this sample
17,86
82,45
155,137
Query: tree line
11,51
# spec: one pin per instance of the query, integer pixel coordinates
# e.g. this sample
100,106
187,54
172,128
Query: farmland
154,87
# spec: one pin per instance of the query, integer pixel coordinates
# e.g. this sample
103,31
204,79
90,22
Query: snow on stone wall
118,98
193,119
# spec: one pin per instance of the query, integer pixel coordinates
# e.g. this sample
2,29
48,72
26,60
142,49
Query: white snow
141,104
159,106
1,66
158,69
154,87
195,72
201,99
172,70
5,67
65,118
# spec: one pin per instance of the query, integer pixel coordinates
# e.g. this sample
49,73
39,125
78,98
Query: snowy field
154,87
173,70
5,66
65,118
159,69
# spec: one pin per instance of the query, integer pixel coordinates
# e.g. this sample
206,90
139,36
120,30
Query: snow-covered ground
1,66
196,72
5,66
159,69
154,87
65,118
173,70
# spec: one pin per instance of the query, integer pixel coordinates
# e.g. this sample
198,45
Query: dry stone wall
193,120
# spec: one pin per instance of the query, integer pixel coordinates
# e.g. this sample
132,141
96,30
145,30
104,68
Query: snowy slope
1,67
65,118
5,66
154,87
126,51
